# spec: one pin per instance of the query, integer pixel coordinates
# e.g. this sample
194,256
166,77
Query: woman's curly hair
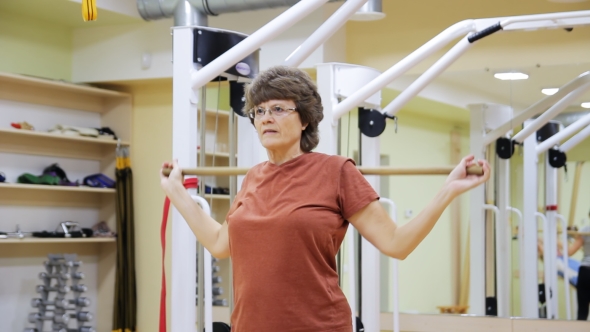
293,84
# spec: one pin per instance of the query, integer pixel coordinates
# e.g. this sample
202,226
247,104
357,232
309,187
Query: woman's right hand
174,181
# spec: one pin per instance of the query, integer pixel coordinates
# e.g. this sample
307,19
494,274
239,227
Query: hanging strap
188,184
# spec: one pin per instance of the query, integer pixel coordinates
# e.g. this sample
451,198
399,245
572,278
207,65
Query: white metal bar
184,148
537,108
566,278
550,256
552,112
528,267
546,253
394,269
456,30
563,134
370,255
503,239
207,293
548,21
575,140
477,266
272,29
428,76
520,237
324,32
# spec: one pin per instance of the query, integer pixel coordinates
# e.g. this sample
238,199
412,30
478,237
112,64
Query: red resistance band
551,208
188,184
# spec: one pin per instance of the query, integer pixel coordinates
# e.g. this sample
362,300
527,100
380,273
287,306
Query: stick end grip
475,170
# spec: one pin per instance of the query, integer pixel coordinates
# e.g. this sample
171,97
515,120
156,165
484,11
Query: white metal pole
477,260
566,277
428,76
371,257
184,148
575,140
552,112
324,32
503,239
394,269
551,256
351,268
537,108
546,269
528,267
272,29
207,293
456,30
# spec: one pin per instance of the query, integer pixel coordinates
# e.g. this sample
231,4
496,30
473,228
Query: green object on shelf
41,179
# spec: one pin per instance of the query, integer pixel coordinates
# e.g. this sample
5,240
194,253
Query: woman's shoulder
327,159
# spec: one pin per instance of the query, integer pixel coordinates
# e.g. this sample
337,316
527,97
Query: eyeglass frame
252,112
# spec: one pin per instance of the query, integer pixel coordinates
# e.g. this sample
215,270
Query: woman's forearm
205,228
408,236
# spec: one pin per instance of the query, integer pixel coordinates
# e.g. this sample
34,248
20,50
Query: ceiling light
586,105
511,76
549,91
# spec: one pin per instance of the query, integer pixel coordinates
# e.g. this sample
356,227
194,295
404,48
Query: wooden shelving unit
43,103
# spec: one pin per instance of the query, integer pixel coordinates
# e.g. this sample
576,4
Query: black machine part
372,122
505,147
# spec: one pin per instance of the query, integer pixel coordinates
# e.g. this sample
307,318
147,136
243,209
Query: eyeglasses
276,111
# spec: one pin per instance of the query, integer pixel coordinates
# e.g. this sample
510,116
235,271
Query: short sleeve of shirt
355,192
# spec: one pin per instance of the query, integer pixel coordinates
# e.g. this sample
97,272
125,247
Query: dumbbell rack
216,290
61,311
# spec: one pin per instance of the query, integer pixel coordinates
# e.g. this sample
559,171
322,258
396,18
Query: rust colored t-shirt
285,228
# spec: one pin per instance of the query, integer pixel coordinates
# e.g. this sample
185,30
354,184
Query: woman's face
281,130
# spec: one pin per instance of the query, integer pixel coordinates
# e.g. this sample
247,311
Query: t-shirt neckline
288,162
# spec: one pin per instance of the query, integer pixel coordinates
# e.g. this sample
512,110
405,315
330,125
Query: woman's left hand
459,181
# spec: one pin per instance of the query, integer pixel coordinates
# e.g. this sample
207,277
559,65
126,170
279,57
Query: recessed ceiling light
549,91
511,76
586,105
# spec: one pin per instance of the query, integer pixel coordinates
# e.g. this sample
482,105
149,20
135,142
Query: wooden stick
445,170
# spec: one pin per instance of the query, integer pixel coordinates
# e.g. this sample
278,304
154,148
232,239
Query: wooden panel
544,325
107,267
46,144
443,323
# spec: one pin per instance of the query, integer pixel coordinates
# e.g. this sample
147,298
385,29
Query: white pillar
503,240
184,148
528,265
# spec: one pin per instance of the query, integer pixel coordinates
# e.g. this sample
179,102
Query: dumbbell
78,275
216,280
217,291
62,276
79,288
82,316
62,263
81,302
59,289
58,303
220,302
86,329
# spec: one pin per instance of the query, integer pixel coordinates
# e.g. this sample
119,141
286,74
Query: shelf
30,240
222,113
42,91
55,196
216,154
46,144
56,188
217,196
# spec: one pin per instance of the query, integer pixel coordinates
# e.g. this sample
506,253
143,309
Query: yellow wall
33,47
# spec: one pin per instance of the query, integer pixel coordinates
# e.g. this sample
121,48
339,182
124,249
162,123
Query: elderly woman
288,220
